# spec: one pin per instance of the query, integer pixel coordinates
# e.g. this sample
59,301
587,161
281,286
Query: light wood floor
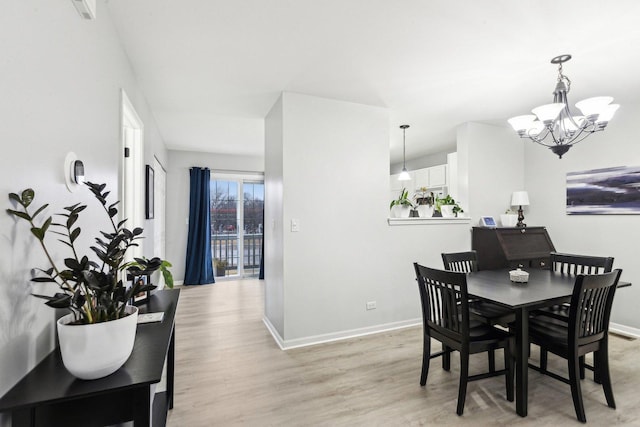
229,371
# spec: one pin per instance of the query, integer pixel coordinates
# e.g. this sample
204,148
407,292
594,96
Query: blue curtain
199,269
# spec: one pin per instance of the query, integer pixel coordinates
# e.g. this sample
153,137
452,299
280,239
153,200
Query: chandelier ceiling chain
555,126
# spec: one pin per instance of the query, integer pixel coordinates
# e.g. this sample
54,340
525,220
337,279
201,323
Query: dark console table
50,396
512,247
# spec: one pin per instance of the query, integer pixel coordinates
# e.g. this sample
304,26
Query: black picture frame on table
149,200
140,297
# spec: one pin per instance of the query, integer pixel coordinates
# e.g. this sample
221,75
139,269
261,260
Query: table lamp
520,198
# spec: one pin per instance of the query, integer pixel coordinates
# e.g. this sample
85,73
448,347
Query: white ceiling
212,69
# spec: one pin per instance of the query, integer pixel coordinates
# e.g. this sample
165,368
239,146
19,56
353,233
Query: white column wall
327,166
273,216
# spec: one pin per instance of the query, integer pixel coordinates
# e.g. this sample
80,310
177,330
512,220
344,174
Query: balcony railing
224,247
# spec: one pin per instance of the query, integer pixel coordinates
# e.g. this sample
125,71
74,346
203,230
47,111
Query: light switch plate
295,225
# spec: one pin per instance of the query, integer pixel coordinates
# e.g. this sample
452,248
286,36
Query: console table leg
170,368
142,407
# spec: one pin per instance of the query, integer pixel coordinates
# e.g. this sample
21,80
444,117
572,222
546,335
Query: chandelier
555,126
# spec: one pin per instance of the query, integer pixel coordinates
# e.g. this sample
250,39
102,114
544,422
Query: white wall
273,217
178,195
335,182
605,235
422,162
60,86
491,167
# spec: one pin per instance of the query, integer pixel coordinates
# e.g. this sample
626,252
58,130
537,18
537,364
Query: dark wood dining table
544,288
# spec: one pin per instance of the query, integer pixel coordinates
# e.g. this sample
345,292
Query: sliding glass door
237,206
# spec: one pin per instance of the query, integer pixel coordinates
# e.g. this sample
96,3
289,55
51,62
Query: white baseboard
274,332
627,331
337,336
178,283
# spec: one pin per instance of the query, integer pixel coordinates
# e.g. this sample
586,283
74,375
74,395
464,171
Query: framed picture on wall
149,201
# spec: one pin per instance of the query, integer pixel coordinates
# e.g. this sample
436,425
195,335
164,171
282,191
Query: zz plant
93,290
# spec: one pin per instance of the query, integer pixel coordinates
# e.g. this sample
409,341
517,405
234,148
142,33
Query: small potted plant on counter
401,207
424,201
448,207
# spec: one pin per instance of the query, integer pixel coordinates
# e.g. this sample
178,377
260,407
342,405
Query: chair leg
596,367
492,360
582,369
576,392
543,360
509,362
446,358
426,357
603,372
464,377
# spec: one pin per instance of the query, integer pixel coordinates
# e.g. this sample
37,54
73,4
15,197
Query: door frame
131,170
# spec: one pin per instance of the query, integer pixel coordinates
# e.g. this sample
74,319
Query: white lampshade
523,123
607,113
404,175
593,106
520,198
548,113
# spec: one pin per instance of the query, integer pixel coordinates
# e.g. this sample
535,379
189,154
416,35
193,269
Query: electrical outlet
295,225
371,305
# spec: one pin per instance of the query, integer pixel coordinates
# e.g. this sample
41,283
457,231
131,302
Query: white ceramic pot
508,220
447,211
99,349
425,211
403,211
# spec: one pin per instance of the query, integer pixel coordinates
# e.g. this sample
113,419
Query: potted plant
509,218
401,207
221,266
97,336
424,201
448,207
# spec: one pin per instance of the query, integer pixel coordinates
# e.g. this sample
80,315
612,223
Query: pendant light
404,175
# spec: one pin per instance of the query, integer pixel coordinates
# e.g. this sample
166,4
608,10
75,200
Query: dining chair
482,310
572,265
585,332
446,318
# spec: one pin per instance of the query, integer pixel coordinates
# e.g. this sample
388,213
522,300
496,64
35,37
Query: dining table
544,288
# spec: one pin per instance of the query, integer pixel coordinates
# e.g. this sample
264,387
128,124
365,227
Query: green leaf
22,215
45,226
72,220
113,212
74,234
27,197
43,207
38,233
15,198
43,280
137,231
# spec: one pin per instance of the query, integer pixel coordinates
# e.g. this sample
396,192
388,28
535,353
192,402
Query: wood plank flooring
230,372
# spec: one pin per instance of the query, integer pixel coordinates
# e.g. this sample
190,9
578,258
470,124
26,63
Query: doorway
237,212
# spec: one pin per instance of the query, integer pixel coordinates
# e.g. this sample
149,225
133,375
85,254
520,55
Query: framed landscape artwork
604,191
